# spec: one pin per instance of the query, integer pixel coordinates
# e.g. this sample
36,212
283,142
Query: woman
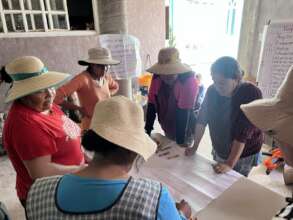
275,117
236,142
172,96
105,190
39,139
92,85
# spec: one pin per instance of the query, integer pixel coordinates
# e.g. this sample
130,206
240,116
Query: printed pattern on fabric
139,201
70,128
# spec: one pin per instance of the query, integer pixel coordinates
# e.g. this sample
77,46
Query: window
230,24
33,15
80,14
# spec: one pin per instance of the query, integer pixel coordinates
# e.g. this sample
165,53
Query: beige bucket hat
99,55
169,63
30,75
275,115
120,121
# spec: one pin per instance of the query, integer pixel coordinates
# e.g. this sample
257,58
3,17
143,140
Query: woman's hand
221,168
190,151
184,208
157,141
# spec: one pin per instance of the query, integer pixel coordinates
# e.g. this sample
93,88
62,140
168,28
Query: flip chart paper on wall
244,200
124,48
276,56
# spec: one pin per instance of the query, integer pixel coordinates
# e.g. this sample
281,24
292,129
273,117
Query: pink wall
146,21
58,53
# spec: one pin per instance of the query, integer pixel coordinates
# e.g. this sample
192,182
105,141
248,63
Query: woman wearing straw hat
172,96
39,139
104,189
236,142
92,85
275,117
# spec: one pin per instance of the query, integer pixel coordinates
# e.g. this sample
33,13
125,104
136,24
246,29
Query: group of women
47,150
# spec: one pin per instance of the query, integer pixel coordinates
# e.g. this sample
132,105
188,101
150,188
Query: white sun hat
100,56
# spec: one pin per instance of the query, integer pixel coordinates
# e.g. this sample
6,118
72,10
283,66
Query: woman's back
139,200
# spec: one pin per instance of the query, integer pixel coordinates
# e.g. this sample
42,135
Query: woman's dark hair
227,67
4,75
108,150
89,69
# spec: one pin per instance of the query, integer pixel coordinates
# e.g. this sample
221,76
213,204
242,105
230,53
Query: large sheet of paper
189,178
124,48
244,200
276,56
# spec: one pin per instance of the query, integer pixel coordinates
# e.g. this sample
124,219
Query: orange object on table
145,79
274,161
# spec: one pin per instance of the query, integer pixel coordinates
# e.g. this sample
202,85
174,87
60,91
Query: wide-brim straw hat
100,56
121,121
169,63
275,116
30,75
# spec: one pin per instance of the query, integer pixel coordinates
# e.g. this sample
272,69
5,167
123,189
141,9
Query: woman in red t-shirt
39,139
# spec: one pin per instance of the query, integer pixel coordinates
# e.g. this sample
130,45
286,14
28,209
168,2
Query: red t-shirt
29,134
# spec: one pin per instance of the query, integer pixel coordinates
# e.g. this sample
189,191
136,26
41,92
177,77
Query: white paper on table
190,178
244,200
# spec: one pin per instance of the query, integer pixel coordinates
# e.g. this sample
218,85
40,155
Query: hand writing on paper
190,151
184,208
221,168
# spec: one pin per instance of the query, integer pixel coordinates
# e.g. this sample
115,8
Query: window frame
48,31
